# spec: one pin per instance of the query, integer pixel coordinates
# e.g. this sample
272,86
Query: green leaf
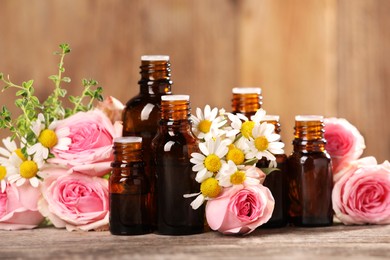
53,77
66,79
62,92
269,170
1,76
21,92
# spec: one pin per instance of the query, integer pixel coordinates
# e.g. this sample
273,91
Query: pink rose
75,201
362,194
89,141
240,209
344,142
18,207
112,107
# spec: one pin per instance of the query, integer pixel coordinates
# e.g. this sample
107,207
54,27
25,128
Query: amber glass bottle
276,181
246,100
310,175
142,113
129,189
172,148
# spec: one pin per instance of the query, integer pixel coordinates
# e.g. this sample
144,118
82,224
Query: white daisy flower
27,170
210,160
10,148
47,138
9,159
264,143
207,123
241,124
209,189
231,174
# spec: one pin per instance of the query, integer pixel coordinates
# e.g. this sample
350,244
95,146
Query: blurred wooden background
324,57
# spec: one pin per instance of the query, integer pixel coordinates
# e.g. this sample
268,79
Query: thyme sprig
52,108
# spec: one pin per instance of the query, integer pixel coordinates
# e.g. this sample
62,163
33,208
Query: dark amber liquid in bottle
310,175
276,182
172,148
129,190
142,113
246,100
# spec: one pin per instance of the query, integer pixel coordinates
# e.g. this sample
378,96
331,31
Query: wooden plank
364,71
336,242
288,49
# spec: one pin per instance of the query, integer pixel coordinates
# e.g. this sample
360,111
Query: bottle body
129,190
142,113
310,175
276,182
172,148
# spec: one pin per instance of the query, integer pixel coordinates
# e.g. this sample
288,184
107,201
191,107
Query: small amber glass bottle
310,175
276,182
172,148
129,189
246,100
142,113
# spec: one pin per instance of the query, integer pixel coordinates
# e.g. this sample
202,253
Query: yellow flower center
28,169
48,138
210,188
212,163
3,172
20,154
261,143
204,126
246,128
236,155
238,177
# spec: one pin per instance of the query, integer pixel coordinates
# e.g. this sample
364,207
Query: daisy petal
197,202
34,182
20,182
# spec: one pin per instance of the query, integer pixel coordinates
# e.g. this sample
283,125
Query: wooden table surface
336,242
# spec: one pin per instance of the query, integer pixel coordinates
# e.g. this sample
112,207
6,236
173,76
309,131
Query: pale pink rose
90,138
344,142
18,207
362,194
112,107
240,209
74,201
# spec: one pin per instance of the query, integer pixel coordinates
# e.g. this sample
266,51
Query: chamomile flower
10,148
207,123
241,124
264,143
26,171
209,189
231,174
47,138
211,159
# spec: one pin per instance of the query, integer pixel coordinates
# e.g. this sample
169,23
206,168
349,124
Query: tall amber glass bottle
172,148
246,100
129,189
310,175
276,181
142,113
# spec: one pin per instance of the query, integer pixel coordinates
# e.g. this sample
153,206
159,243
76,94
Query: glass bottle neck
177,110
155,77
127,152
246,104
309,136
